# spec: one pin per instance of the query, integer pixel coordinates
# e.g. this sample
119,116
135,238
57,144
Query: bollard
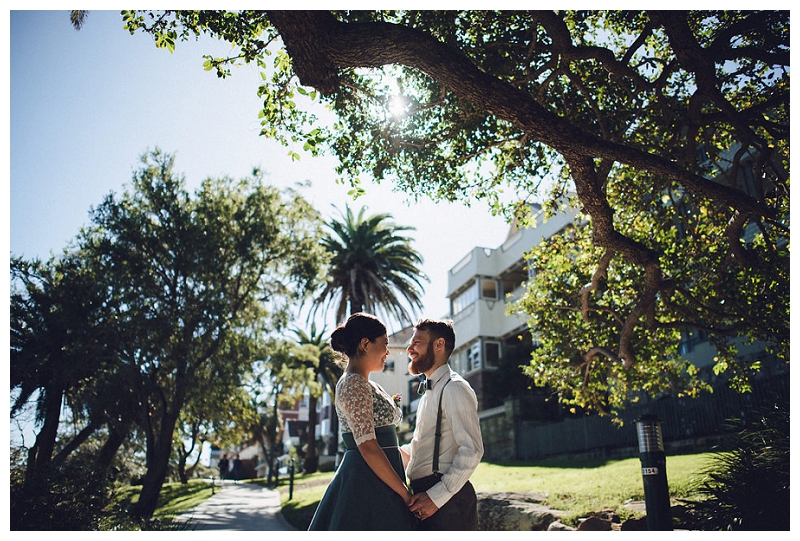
212,485
291,478
654,473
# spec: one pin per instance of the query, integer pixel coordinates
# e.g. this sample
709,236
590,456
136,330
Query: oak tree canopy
668,129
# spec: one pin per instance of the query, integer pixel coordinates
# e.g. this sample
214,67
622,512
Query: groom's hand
422,506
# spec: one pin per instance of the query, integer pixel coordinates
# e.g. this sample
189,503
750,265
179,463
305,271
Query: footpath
238,507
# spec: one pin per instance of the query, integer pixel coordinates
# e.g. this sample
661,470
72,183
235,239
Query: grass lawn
576,486
581,487
307,492
174,499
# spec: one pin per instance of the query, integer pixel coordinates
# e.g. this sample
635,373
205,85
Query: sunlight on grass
577,486
308,491
586,486
174,499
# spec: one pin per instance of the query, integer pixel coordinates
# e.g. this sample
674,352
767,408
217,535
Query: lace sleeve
354,400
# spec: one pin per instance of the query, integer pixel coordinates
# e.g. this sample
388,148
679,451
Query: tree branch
600,273
320,45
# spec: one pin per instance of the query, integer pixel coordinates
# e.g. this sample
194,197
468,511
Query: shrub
73,499
747,488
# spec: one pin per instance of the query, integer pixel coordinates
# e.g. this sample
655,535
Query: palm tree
373,268
315,354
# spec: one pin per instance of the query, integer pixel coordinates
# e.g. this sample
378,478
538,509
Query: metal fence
682,419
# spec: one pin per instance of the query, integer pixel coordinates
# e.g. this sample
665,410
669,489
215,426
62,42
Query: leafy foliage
196,284
152,326
566,357
748,488
621,108
61,330
74,498
373,267
313,353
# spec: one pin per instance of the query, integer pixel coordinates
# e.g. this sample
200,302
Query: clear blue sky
85,105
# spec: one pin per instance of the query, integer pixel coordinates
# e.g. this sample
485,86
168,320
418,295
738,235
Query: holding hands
422,506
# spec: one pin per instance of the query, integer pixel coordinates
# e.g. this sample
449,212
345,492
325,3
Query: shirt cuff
439,495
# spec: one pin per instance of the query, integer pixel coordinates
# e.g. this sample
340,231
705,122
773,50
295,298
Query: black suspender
438,434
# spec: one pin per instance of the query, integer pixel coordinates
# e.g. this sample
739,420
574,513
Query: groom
440,467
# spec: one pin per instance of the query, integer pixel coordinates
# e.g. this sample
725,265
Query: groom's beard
423,362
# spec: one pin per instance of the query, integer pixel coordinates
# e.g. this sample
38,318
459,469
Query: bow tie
424,385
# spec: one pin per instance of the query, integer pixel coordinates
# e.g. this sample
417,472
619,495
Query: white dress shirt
460,446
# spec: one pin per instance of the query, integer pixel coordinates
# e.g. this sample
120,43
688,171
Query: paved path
239,507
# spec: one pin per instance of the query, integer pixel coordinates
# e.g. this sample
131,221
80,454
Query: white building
480,286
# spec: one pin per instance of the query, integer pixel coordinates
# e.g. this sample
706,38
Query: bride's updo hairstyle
346,338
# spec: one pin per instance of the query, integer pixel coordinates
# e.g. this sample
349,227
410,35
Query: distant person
368,491
439,463
236,468
223,466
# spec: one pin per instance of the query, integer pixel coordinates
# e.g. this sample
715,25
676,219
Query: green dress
356,498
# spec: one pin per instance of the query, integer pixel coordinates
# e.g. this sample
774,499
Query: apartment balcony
485,318
489,262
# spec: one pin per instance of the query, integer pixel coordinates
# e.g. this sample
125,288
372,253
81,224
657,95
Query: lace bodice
362,405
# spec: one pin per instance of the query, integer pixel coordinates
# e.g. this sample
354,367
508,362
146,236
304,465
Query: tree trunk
182,469
274,440
311,462
157,468
264,450
116,437
191,469
183,456
40,456
333,449
76,442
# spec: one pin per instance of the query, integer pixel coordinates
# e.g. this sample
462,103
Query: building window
474,356
465,298
701,154
690,340
748,180
489,289
457,361
491,354
479,354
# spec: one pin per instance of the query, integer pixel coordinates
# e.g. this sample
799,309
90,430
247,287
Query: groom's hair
439,328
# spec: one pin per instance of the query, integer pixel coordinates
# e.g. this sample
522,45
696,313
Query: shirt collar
439,374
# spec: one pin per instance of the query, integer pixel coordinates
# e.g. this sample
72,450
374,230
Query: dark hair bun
339,339
346,338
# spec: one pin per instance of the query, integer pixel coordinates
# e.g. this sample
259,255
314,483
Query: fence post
654,473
